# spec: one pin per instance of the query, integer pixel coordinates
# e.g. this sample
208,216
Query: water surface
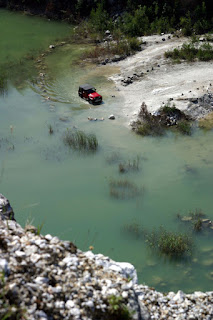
69,191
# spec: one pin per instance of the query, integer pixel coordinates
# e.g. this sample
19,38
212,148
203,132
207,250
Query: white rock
179,297
59,304
125,294
70,261
89,254
48,237
4,266
69,304
35,257
20,254
127,286
89,304
31,249
41,280
75,312
112,292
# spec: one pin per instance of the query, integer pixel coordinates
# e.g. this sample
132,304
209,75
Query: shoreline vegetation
118,24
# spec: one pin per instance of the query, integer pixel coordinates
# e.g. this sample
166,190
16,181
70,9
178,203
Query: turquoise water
69,191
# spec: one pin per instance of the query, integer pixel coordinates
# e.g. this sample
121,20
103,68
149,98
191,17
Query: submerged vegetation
198,220
79,140
133,165
173,244
124,189
170,243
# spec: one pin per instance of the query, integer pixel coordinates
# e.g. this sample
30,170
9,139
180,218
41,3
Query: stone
111,117
4,266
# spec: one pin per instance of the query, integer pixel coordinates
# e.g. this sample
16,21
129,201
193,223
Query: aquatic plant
131,165
170,243
3,83
206,123
134,228
124,189
184,127
114,157
51,131
79,140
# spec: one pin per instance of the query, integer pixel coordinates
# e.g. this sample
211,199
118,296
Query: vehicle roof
86,86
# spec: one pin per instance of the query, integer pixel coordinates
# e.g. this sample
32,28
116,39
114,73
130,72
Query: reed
124,189
170,243
79,140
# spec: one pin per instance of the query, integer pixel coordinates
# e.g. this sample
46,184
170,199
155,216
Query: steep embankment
46,278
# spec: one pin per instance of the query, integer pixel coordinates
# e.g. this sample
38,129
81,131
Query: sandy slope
165,81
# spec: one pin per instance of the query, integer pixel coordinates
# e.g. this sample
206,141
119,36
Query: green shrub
117,308
189,52
80,141
186,24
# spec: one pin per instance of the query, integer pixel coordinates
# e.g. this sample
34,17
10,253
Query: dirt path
161,80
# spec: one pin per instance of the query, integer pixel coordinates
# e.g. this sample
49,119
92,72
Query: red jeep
88,92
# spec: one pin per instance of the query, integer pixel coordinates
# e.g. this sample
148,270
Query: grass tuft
79,140
133,165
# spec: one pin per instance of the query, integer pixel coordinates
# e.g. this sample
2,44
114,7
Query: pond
68,192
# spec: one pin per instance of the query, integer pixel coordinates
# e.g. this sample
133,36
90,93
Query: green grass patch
79,140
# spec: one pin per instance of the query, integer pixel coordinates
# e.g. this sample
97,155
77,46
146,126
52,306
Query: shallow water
69,191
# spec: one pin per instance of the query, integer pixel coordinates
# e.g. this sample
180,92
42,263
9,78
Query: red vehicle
88,92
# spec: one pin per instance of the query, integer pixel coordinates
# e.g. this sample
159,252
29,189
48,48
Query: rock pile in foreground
43,277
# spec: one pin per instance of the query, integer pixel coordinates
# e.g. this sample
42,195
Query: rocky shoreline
44,277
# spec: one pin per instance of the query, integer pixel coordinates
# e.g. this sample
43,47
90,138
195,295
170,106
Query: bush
3,83
147,124
80,140
117,308
189,52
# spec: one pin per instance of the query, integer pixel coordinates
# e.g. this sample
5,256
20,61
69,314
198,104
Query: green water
69,191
